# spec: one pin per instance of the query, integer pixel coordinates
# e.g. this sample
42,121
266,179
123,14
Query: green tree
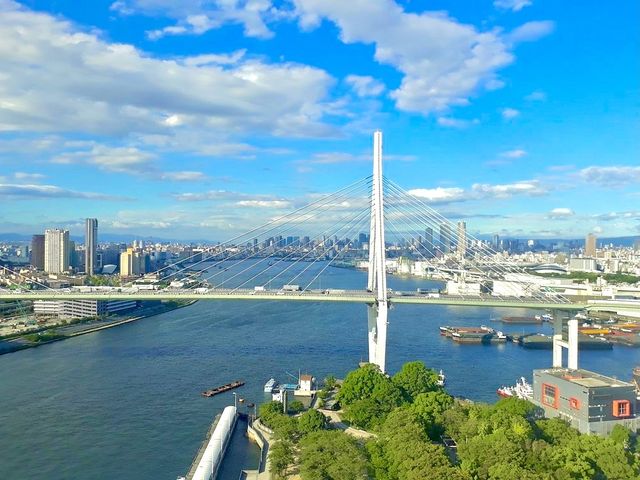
429,408
280,458
360,383
268,411
367,395
331,455
415,378
296,406
311,421
555,430
621,435
330,382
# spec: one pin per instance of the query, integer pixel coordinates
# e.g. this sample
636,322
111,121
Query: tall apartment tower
590,245
37,252
56,250
428,241
462,239
90,245
446,238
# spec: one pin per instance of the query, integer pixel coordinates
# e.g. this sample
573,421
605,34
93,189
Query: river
124,403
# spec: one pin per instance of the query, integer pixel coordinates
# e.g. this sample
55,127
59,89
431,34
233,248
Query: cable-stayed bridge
373,224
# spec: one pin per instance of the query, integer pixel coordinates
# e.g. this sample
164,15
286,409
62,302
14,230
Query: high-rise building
590,245
37,251
446,238
462,239
56,250
90,245
495,243
131,262
428,240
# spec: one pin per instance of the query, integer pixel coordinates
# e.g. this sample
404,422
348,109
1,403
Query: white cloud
439,194
561,212
365,86
443,62
184,176
113,159
16,191
94,86
451,122
196,17
264,203
32,177
328,158
529,188
611,176
531,31
516,153
515,5
536,96
238,198
509,113
614,216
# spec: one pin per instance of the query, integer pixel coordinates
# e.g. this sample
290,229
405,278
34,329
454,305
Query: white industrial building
72,309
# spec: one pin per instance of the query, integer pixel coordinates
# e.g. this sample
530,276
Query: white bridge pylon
377,281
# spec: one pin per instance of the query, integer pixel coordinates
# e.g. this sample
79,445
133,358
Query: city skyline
202,121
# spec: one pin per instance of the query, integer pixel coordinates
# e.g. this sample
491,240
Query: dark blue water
125,402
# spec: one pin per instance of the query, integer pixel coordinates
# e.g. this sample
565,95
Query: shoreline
91,328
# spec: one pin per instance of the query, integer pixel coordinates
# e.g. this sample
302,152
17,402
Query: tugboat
522,389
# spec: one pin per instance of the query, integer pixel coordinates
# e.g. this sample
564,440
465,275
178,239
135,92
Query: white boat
270,385
522,389
441,379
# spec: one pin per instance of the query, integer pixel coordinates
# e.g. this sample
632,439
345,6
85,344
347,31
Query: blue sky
207,118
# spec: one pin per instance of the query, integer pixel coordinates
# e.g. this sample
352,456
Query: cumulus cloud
515,5
561,212
529,188
17,191
94,86
195,17
365,86
509,113
480,191
611,176
439,194
443,61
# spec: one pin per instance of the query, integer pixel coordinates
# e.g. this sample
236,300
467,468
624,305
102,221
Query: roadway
331,295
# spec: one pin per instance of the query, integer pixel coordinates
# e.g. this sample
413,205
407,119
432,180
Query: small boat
441,378
223,388
522,389
270,385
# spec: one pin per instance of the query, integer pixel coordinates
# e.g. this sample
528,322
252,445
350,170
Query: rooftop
585,378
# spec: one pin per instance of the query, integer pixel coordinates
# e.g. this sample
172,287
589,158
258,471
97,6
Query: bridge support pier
377,328
571,344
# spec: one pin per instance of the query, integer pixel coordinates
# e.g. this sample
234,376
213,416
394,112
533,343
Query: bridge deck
346,296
